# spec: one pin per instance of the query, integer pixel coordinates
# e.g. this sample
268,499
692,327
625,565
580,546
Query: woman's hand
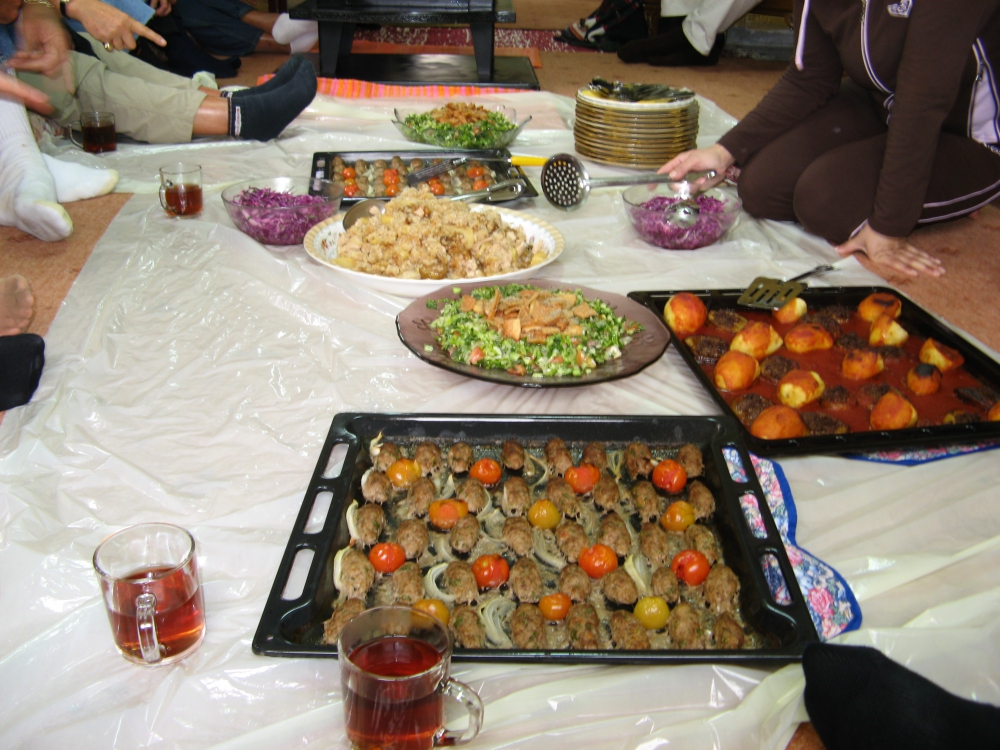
715,157
109,25
892,252
29,95
45,42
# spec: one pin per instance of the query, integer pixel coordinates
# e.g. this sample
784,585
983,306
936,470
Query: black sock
262,115
281,76
688,56
21,360
858,699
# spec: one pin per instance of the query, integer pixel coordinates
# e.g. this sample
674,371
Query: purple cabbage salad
279,227
653,225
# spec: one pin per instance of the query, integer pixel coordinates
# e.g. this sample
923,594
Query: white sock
27,191
305,42
286,29
77,182
205,79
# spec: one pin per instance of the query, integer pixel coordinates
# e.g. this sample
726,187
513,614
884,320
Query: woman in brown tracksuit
911,136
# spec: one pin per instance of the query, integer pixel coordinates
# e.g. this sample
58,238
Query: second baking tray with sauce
839,419
481,169
731,617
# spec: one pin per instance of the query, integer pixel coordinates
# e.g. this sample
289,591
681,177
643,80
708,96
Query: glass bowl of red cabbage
646,206
281,210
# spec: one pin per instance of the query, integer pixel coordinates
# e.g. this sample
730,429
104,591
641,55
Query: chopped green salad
485,133
530,331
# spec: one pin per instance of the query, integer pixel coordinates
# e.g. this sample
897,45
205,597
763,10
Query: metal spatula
566,183
769,294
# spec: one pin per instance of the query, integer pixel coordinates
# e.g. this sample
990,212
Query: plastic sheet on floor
191,377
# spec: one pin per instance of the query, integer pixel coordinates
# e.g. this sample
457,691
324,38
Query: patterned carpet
540,39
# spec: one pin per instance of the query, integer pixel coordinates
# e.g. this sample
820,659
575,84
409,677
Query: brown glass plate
647,346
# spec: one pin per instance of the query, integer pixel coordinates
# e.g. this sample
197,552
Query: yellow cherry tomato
544,514
403,473
678,517
435,608
444,514
652,612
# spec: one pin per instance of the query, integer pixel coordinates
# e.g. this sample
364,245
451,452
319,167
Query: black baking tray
913,317
498,159
293,627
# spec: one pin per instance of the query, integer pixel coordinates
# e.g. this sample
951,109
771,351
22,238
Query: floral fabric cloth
831,602
914,456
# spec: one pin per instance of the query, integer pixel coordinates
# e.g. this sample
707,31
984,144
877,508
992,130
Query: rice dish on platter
422,237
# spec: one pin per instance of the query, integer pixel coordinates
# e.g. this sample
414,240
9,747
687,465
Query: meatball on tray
562,539
844,369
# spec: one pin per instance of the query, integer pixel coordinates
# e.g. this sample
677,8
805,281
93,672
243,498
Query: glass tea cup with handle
180,190
394,664
149,580
97,132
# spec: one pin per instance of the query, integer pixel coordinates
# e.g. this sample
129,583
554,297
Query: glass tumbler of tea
180,189
149,580
97,132
394,665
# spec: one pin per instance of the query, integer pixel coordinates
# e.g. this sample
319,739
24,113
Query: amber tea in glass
180,190
149,579
394,665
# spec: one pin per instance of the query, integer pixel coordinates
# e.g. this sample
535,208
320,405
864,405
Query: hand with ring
113,28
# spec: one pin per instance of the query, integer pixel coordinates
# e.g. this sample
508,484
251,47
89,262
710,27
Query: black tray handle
320,541
796,613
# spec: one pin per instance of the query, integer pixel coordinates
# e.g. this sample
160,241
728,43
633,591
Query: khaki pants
149,104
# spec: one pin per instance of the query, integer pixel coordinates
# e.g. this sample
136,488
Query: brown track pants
824,172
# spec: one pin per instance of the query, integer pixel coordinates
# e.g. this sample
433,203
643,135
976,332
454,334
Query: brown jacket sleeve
797,94
927,85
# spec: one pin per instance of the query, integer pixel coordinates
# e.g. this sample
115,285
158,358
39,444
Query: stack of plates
633,134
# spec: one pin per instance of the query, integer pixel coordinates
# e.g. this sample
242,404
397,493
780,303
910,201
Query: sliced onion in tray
493,612
493,525
536,464
638,569
352,515
338,569
445,489
431,586
546,549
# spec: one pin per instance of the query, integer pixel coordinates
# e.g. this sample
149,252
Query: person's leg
27,192
216,26
836,193
697,40
768,180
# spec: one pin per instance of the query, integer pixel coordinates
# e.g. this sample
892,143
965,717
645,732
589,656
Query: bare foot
17,304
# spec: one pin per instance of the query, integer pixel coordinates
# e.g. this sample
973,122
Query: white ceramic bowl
321,244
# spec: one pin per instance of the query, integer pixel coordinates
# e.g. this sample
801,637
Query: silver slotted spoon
566,183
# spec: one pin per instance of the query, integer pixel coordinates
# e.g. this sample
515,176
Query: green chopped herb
456,290
432,304
486,133
428,348
469,338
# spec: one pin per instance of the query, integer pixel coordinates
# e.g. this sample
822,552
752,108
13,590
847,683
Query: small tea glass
149,580
97,132
180,189
394,665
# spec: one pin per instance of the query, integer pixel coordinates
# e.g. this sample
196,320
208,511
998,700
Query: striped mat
349,88
363,46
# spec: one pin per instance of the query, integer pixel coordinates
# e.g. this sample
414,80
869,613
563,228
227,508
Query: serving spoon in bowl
508,190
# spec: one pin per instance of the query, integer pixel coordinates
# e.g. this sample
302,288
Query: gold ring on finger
108,47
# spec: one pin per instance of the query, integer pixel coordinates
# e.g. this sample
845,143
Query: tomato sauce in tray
979,373
502,572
